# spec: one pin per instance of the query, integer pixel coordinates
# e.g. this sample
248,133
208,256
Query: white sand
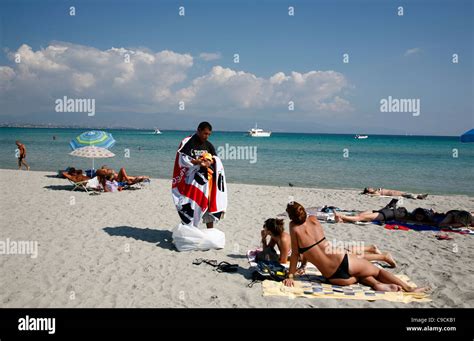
83,260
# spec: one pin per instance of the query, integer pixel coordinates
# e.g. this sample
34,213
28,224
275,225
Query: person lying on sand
452,218
307,237
280,238
392,193
385,214
120,177
458,218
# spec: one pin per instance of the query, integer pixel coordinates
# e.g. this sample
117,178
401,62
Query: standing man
197,147
22,156
199,186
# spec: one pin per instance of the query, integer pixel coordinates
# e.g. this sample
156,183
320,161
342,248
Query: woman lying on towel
385,214
122,178
452,218
307,237
392,193
278,237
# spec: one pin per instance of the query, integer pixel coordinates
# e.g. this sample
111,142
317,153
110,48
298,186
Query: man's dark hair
204,125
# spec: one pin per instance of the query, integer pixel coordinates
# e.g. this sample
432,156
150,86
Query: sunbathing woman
457,218
75,175
276,230
385,214
393,193
120,177
307,237
452,218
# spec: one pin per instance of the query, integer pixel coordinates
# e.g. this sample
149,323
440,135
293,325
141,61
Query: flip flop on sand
221,267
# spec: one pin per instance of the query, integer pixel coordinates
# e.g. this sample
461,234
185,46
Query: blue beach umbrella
468,136
96,138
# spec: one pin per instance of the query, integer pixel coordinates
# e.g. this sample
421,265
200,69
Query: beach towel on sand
396,225
193,194
314,285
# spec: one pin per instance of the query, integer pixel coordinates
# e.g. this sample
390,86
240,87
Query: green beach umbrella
96,138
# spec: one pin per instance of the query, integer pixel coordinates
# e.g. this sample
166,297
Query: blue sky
268,41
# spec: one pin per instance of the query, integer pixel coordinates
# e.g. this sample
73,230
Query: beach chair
76,184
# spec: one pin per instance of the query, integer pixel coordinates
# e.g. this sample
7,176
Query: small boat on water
256,132
359,137
157,131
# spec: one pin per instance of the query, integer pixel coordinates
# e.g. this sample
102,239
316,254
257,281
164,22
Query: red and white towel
190,189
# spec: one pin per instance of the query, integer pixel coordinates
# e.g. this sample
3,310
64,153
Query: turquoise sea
428,164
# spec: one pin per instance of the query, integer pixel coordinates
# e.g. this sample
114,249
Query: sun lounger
85,184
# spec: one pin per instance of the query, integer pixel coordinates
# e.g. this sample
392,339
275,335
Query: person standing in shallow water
22,155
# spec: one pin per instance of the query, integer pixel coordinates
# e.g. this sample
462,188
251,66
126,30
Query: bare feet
389,259
387,287
376,249
422,289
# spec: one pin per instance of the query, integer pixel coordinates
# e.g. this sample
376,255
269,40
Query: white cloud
225,88
155,82
412,51
209,56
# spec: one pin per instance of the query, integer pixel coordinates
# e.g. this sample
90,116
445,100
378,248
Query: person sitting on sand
120,177
279,237
21,155
307,237
111,185
392,193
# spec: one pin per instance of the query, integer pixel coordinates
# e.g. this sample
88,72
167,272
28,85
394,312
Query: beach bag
189,238
273,271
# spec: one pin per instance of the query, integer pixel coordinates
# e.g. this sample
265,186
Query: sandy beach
115,249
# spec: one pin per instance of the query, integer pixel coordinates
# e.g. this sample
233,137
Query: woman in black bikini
339,269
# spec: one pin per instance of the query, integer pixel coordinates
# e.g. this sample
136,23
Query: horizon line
33,126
